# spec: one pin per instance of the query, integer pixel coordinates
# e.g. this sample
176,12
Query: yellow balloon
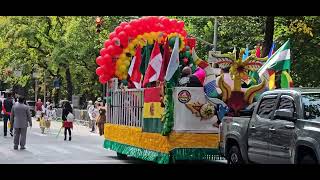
139,37
150,41
135,41
127,63
153,35
122,56
126,50
143,43
132,52
130,46
118,73
122,68
145,35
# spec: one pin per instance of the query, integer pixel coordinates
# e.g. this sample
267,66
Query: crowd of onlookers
46,112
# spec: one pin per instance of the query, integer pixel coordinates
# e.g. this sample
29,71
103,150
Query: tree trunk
268,35
69,83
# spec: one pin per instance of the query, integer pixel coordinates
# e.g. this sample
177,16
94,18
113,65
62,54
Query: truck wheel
234,155
122,156
308,159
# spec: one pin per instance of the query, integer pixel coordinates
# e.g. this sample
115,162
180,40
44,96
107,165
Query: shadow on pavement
139,161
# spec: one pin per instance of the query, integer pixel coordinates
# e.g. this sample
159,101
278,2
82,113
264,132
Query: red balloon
147,28
111,50
180,24
104,78
123,36
112,35
173,22
184,33
99,60
99,71
107,59
118,29
140,29
117,50
124,43
142,22
134,33
134,23
128,29
108,69
116,41
103,51
166,22
107,43
123,24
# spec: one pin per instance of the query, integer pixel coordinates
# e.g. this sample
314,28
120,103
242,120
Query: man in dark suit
20,117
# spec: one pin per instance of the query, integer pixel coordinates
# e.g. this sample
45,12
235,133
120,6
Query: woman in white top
50,115
93,114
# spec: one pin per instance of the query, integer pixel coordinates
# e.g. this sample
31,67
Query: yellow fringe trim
153,141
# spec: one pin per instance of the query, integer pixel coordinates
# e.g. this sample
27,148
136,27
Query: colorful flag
165,61
145,58
174,61
272,79
278,62
134,70
272,50
152,110
286,80
154,67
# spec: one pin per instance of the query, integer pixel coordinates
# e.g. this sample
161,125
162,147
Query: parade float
148,115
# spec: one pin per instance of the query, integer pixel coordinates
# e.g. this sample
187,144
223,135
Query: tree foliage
66,47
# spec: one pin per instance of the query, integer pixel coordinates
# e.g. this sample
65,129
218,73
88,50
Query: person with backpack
6,108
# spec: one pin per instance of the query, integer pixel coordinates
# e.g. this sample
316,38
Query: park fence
125,107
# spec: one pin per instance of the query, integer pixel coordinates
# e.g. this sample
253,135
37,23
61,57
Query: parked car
284,128
32,105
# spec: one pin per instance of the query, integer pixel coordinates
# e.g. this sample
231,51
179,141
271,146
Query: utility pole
44,88
215,33
35,75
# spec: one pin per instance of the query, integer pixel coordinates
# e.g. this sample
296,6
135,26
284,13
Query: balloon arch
115,57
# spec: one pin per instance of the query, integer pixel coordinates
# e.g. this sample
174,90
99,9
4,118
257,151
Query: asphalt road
48,148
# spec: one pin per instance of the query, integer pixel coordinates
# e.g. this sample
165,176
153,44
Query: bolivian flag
152,110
